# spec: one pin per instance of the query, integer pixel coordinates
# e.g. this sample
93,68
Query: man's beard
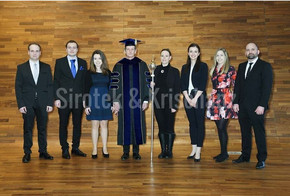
251,56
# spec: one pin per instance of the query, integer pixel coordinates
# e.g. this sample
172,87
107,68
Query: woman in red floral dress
220,105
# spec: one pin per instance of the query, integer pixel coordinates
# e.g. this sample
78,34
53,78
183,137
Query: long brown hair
226,65
104,66
198,61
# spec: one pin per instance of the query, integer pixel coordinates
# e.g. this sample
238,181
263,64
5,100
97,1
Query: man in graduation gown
130,99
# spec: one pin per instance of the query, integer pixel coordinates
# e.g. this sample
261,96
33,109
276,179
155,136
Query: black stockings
223,135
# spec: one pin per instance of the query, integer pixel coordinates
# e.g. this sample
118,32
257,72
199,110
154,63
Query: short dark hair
166,49
71,41
34,43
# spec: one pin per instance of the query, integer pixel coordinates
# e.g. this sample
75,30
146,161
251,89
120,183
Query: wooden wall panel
174,25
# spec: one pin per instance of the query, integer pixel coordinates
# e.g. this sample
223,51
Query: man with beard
252,91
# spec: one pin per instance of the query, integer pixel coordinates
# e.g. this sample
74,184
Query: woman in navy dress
193,86
220,107
98,104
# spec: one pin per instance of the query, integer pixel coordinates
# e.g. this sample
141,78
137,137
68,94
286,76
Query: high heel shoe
191,157
106,155
94,156
197,160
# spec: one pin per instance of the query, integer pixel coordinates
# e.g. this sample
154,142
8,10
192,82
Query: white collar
33,62
253,61
72,58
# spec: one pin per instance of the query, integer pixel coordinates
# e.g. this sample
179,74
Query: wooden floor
178,176
159,24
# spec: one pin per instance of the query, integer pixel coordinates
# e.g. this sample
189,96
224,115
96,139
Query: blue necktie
73,67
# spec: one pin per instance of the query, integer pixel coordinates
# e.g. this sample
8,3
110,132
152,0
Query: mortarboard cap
130,42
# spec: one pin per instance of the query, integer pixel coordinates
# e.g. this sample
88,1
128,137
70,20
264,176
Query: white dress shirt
190,85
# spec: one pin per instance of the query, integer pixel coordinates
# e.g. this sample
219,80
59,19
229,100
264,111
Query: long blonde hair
226,66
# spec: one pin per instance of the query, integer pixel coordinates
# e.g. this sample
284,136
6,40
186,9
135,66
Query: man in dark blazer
252,91
69,80
34,94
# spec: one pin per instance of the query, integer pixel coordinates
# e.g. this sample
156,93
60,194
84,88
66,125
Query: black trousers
41,118
126,148
196,118
247,119
165,119
64,113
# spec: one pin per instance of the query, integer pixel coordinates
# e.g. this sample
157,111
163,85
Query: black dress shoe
78,152
136,156
169,155
94,156
241,159
191,157
217,156
65,154
260,165
26,158
222,158
162,155
125,156
45,155
106,155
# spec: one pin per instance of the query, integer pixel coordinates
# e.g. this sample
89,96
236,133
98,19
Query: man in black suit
34,94
69,79
252,91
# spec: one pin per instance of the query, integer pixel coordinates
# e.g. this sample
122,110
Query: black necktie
249,70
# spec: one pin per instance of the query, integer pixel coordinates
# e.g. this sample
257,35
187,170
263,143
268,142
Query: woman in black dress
98,104
167,90
193,85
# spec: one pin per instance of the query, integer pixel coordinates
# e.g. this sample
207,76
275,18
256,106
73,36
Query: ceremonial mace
152,67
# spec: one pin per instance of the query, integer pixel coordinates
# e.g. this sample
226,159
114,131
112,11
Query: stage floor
177,176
